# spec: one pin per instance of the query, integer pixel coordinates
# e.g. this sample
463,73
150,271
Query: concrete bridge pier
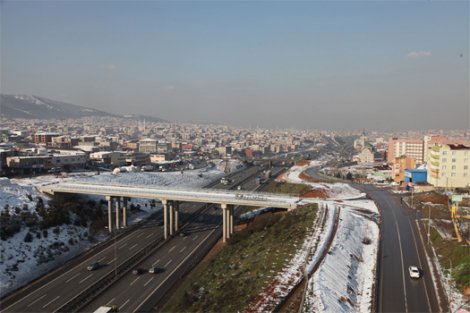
172,214
124,212
165,218
118,209
177,213
110,213
227,221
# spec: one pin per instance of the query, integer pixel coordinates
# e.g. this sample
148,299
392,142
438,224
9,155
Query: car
138,271
93,266
414,272
183,234
156,270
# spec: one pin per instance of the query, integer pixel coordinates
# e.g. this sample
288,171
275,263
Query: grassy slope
458,253
246,266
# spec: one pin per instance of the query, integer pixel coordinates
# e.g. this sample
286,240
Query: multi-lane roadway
53,295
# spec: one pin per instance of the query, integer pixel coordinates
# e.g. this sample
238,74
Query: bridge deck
248,198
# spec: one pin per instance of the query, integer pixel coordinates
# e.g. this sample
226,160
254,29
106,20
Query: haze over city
312,64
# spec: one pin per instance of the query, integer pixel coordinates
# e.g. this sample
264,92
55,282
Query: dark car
93,266
138,271
156,270
183,234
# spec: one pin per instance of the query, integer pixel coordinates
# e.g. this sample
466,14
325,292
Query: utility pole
429,223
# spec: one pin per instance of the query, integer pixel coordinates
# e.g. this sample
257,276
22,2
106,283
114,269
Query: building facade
449,166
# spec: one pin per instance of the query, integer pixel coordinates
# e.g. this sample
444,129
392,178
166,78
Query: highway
50,296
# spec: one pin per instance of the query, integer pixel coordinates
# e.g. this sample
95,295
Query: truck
106,309
226,181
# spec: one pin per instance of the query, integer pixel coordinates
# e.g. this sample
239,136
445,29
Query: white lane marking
110,301
149,236
55,299
139,235
124,304
169,275
172,248
78,266
133,246
401,256
156,262
168,263
71,278
134,281
37,300
420,265
148,281
183,249
101,259
123,245
111,261
85,279
195,237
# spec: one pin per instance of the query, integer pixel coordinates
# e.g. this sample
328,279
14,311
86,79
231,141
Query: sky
373,65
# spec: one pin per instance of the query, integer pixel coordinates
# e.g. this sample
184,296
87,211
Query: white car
414,271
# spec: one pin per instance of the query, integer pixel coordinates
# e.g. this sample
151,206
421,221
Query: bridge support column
177,213
172,214
165,218
225,222
231,221
110,213
124,212
118,209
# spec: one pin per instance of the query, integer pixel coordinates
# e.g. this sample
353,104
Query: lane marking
156,262
172,248
183,249
55,299
141,233
110,301
122,246
168,263
170,274
401,255
195,237
421,266
71,278
40,298
148,281
149,236
111,261
85,279
101,259
134,281
124,304
133,246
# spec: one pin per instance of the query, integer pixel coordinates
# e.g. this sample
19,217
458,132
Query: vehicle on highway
183,234
156,270
106,309
226,181
414,271
93,266
138,271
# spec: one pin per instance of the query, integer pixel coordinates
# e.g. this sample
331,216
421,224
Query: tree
349,176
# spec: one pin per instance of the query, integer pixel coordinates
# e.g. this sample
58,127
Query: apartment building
412,148
399,165
449,165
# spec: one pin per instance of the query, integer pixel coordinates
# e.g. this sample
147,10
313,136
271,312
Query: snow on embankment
345,280
336,191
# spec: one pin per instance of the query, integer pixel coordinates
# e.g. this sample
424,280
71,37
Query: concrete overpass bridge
119,194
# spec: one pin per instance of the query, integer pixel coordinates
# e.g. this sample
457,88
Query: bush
45,233
28,237
56,230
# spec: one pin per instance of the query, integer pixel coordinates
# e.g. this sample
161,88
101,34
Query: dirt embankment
433,198
315,193
302,162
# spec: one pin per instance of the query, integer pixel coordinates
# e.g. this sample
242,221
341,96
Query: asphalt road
401,247
49,296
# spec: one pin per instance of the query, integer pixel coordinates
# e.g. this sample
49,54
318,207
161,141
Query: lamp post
429,223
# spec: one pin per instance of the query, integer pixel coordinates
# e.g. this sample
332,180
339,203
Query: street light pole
429,223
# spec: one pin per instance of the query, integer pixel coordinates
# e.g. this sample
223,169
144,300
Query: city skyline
314,65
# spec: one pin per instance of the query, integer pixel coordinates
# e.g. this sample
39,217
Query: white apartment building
449,166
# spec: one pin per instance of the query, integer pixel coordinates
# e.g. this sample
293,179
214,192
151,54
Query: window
465,167
444,152
452,174
444,167
454,167
465,174
444,159
454,152
454,160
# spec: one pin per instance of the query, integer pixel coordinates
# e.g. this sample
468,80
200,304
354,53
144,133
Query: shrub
28,237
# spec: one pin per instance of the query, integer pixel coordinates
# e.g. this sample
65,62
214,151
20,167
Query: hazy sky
306,64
